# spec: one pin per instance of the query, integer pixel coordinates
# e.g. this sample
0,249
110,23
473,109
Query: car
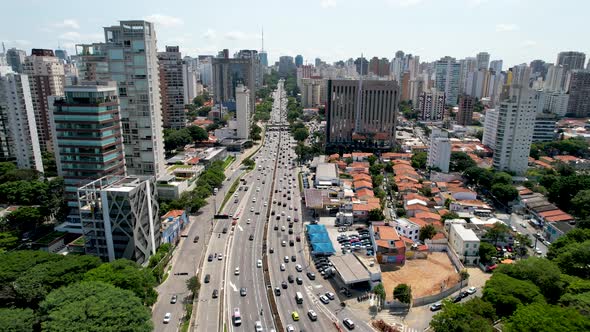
290,231
196,239
330,295
282,267
436,306
298,268
259,263
258,326
324,299
219,256
471,290
457,298
463,294
224,230
312,315
311,275
283,243
252,209
243,291
215,294
237,271
283,228
207,278
293,258
167,318
286,259
291,243
298,238
271,250
290,278
290,328
277,291
299,281
248,221
276,228
251,238
284,285
348,323
173,299
210,258
295,316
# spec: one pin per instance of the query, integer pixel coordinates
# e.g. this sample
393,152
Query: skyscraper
579,91
16,59
516,122
243,112
18,131
431,105
172,88
362,66
439,151
571,60
496,66
483,60
465,114
447,73
133,64
554,79
298,60
228,73
263,59
190,80
86,124
372,118
46,78
286,65
490,129
62,55
120,218
317,62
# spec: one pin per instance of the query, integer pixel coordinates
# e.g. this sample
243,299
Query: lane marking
233,286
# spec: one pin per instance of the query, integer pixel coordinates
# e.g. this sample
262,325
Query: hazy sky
516,31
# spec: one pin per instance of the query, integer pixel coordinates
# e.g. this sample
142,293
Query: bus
298,298
236,317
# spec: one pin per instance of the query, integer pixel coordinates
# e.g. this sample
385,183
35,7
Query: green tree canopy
419,160
6,167
25,218
486,252
427,232
473,315
403,293
539,317
575,259
506,293
460,161
504,192
581,203
94,306
128,275
502,177
17,320
301,134
197,133
497,232
376,215
379,290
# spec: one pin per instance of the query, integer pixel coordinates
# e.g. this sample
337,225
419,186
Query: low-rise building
465,243
326,175
391,249
407,228
172,224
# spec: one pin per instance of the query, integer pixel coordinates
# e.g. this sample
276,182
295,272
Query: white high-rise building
205,69
496,66
133,63
447,73
190,82
554,78
431,105
18,130
490,128
483,60
516,122
243,111
439,152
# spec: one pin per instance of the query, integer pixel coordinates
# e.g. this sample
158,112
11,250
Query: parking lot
348,239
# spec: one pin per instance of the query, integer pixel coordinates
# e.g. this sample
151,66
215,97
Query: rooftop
464,233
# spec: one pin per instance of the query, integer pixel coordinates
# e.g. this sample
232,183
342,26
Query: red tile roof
173,214
427,215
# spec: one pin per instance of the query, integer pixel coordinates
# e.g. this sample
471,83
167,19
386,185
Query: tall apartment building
554,78
313,92
120,218
431,105
18,131
496,66
243,112
514,135
465,114
190,82
229,72
555,102
263,59
483,60
46,78
128,56
205,69
545,124
571,60
372,117
298,60
447,73
15,59
172,88
88,142
439,151
286,65
490,128
579,93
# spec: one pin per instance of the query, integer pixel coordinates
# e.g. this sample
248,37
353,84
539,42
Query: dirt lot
425,276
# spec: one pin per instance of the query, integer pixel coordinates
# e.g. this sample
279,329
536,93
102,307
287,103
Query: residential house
407,228
465,243
390,247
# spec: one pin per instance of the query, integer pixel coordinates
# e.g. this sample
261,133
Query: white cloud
67,23
529,43
503,27
405,3
328,3
164,20
210,34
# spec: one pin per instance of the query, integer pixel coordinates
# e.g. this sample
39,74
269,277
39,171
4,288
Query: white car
248,222
286,259
219,257
167,317
237,271
282,267
258,326
471,290
259,263
252,209
290,328
324,299
298,268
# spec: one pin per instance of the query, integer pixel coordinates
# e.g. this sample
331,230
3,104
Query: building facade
579,93
464,243
571,60
431,105
88,142
447,77
19,141
545,124
465,114
243,112
514,135
286,64
439,151
361,111
490,128
483,60
229,73
313,92
172,88
190,82
46,78
120,218
15,59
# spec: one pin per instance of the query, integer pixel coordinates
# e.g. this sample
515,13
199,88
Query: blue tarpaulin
320,240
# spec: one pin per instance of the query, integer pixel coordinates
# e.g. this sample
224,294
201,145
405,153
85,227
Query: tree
6,167
576,235
539,317
17,320
574,259
199,101
473,315
504,193
377,180
249,163
427,232
8,240
486,252
506,293
419,160
379,290
301,134
460,161
389,167
403,293
376,215
25,218
448,216
372,159
193,285
523,242
497,232
581,203
255,131
198,134
174,139
94,306
539,271
128,275
376,169
502,177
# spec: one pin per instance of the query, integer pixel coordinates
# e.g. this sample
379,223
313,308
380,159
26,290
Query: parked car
471,290
348,323
436,306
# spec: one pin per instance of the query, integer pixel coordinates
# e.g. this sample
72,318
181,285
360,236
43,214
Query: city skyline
509,34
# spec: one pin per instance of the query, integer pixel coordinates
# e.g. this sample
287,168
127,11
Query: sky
515,31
